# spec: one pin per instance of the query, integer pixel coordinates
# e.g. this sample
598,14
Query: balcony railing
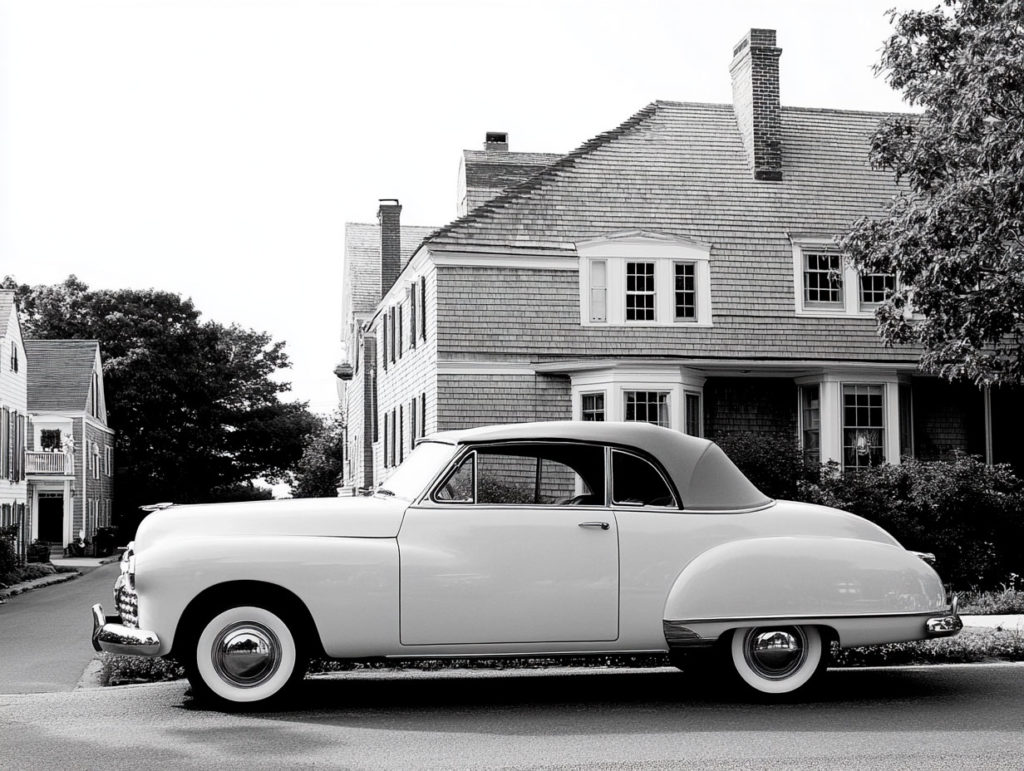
49,463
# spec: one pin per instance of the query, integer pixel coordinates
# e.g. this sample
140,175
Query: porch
49,463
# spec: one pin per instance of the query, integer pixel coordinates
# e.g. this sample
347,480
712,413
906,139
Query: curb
37,583
92,675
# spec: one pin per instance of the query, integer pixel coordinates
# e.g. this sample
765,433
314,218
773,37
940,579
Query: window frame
849,303
649,275
667,406
616,251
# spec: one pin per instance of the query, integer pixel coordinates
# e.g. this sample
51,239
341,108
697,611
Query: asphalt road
45,634
944,717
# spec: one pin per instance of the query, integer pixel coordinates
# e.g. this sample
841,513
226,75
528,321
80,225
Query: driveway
44,634
936,717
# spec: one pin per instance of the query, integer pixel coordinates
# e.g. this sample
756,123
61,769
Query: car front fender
348,585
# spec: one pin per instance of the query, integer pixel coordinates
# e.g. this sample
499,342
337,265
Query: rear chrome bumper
946,625
110,635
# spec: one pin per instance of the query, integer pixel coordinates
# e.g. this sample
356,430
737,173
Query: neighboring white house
13,421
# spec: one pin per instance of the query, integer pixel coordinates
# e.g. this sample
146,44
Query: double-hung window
875,289
823,280
640,294
685,291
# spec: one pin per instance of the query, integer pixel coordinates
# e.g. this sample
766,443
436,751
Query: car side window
636,482
535,474
458,486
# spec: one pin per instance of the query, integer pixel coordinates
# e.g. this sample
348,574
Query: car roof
704,476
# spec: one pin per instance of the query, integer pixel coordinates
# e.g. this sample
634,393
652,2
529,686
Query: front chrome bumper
110,635
947,625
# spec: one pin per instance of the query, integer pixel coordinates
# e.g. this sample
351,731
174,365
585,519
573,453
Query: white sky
216,148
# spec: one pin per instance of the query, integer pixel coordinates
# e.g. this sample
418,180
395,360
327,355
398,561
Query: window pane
647,407
592,407
810,422
458,488
686,291
875,288
863,425
635,481
599,290
639,291
823,279
693,422
540,475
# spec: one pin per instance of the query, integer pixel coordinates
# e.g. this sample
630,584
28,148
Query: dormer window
643,279
826,284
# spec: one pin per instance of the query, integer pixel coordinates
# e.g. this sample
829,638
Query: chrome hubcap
246,654
775,654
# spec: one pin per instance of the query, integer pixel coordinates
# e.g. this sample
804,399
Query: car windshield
423,464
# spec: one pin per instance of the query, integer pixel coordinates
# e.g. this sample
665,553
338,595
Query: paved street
44,634
930,717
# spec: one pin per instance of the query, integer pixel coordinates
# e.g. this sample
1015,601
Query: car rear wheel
244,655
777,660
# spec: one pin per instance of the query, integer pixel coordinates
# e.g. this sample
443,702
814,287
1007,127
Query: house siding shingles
763,406
680,170
465,401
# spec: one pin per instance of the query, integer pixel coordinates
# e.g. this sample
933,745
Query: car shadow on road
624,701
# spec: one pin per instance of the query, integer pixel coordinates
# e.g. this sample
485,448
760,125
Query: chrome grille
127,602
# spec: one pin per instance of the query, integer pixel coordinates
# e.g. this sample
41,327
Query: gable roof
362,263
680,168
6,309
59,373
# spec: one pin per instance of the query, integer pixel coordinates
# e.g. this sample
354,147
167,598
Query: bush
9,562
777,467
966,513
1007,600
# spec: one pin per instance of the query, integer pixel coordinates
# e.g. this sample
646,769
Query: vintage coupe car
521,540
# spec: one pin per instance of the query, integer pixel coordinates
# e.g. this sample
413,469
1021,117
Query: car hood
329,517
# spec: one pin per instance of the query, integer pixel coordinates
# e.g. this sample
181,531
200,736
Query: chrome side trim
109,635
796,619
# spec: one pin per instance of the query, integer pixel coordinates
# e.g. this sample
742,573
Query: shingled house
70,454
679,269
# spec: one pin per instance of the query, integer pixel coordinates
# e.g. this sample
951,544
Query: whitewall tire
245,655
777,660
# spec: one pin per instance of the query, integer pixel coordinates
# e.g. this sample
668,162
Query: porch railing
48,463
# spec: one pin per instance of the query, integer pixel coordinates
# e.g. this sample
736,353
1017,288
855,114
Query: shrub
777,467
968,514
8,556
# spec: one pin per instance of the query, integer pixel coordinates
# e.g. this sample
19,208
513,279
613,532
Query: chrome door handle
602,525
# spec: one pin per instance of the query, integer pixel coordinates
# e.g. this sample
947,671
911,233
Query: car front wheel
777,660
244,655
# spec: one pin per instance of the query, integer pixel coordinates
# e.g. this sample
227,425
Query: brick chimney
755,101
496,140
389,216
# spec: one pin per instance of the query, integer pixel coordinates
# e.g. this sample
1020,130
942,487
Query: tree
318,472
954,235
195,404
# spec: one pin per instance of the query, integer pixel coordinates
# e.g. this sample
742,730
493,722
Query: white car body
426,574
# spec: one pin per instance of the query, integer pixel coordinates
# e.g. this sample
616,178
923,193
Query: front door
51,519
515,546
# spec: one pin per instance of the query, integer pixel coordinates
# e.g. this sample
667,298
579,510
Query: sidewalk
1006,623
57,578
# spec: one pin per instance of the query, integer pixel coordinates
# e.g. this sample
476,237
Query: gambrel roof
680,168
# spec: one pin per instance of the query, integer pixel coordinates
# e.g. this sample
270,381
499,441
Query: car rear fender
799,578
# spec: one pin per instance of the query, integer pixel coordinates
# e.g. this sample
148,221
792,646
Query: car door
515,545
